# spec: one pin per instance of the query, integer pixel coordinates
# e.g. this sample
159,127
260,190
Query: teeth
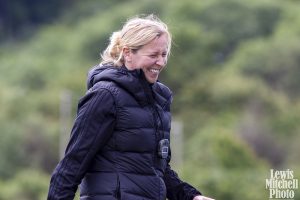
154,70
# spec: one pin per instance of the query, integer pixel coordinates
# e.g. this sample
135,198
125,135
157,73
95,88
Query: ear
126,54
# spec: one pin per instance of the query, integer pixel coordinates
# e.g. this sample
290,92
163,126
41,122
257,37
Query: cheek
148,62
138,62
144,62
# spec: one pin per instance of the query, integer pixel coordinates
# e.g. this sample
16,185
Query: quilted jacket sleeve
92,128
176,188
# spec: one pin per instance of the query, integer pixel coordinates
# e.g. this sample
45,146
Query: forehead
159,44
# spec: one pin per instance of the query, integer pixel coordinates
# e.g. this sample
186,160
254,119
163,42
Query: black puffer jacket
113,149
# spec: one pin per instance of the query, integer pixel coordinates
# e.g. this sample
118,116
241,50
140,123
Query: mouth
154,70
152,73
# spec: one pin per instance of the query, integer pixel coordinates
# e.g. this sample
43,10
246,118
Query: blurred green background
234,71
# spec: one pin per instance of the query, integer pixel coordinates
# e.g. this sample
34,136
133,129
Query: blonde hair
135,33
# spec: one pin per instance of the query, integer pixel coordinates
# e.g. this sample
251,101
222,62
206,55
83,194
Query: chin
151,80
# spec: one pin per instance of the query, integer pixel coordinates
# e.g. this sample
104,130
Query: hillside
234,71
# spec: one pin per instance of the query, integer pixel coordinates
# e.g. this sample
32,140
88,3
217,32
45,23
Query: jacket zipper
118,191
156,120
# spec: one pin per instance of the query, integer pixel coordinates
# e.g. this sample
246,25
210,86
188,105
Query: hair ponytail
113,53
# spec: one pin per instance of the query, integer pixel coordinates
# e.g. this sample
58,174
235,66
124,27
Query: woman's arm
92,128
179,190
176,188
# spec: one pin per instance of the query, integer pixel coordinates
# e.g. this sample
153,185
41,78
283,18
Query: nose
161,61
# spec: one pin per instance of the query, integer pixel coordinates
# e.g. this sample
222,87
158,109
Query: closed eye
153,56
156,55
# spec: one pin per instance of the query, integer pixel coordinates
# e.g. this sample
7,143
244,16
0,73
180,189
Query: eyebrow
155,52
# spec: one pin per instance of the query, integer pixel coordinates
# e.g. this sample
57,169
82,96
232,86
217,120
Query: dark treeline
17,17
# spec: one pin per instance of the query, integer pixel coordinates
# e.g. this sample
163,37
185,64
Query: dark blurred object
20,17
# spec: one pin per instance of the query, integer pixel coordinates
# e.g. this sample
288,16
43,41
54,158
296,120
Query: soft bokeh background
234,71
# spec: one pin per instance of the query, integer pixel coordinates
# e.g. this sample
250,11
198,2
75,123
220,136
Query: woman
119,145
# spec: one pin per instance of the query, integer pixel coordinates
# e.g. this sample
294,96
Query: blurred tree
247,21
233,71
276,63
208,33
226,167
26,185
11,153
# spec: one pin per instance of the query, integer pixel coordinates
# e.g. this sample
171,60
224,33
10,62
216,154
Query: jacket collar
133,81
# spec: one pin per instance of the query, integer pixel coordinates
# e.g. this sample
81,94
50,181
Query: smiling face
151,58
